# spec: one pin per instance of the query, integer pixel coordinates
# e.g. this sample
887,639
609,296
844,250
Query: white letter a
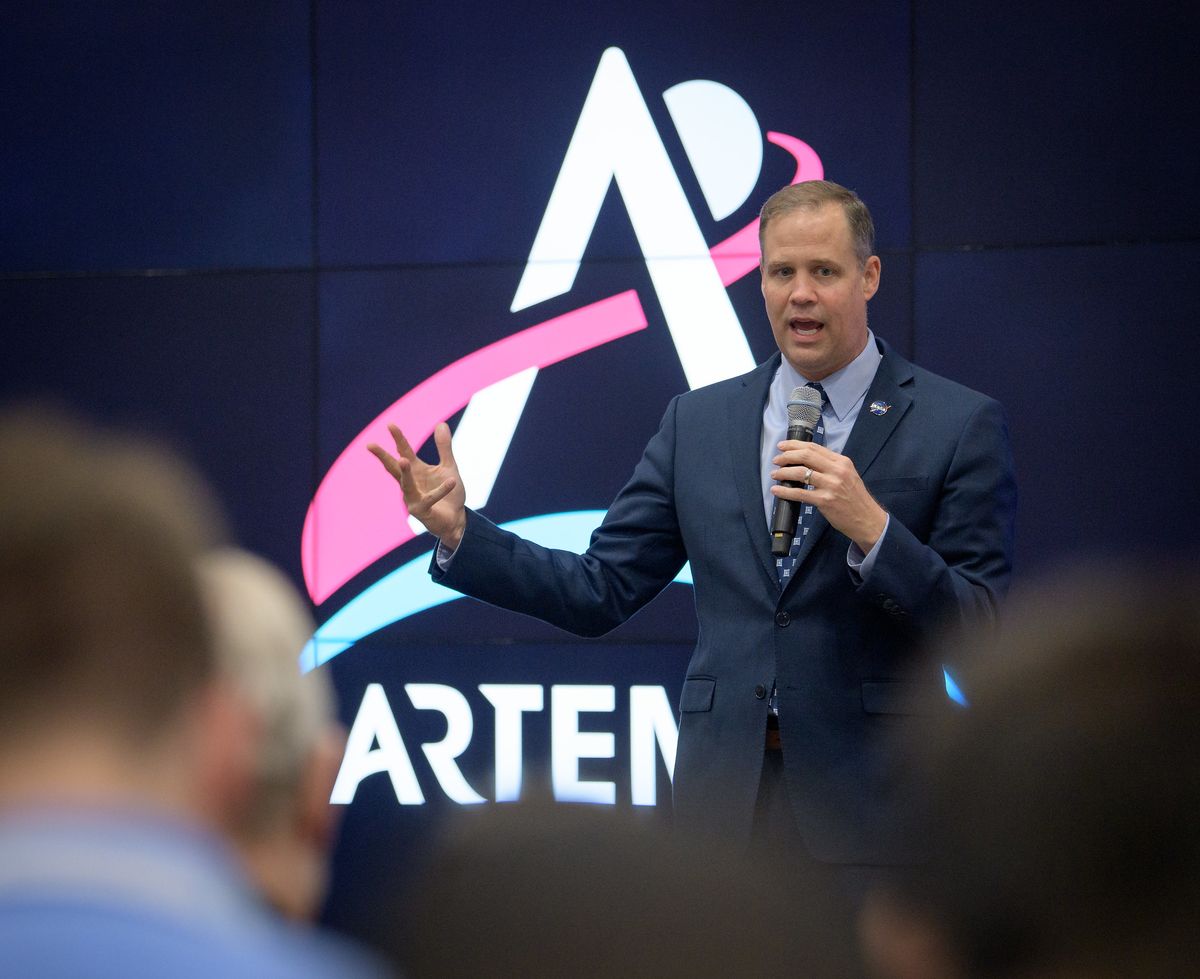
376,723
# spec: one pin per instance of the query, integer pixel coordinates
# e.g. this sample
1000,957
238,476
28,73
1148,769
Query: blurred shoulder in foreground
540,889
1066,795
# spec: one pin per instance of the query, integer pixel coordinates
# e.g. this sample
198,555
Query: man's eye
824,272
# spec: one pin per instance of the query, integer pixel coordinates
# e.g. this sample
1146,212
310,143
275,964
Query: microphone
804,412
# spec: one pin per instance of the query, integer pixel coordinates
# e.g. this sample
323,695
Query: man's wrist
448,545
869,537
453,537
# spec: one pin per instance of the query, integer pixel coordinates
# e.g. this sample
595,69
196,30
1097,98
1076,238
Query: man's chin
805,361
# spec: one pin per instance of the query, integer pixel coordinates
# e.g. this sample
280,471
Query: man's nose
802,293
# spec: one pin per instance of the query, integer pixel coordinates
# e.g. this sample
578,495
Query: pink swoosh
739,253
357,515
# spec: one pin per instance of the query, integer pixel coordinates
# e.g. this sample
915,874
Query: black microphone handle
787,512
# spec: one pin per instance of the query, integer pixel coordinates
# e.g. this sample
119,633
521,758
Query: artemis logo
352,520
376,745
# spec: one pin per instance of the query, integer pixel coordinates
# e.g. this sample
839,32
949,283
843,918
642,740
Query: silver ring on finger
807,474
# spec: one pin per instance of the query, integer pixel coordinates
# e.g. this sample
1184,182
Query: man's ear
227,737
316,819
900,942
871,273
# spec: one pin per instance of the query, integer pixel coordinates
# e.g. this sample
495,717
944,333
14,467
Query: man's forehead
826,215
824,227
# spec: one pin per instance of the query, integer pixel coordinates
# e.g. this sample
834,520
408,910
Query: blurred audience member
123,753
543,890
260,624
1067,797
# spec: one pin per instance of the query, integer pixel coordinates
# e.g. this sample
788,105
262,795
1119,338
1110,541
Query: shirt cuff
860,564
445,555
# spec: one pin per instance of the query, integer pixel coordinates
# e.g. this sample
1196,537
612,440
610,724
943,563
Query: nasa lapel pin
879,407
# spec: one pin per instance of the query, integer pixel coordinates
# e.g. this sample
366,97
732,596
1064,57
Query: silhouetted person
125,756
1066,797
260,624
551,890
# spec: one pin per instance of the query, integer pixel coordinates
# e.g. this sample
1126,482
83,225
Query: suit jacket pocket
897,697
897,484
697,694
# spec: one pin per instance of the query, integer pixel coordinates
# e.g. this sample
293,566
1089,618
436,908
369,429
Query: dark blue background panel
1055,122
218,365
156,136
442,130
1093,352
889,313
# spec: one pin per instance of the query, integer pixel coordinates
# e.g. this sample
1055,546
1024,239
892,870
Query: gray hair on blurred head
259,626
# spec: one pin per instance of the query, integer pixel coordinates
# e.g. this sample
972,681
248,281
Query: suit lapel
869,433
871,430
745,431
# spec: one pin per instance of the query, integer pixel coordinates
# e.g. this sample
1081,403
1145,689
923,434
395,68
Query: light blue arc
409,590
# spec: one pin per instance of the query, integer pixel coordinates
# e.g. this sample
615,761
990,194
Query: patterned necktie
784,566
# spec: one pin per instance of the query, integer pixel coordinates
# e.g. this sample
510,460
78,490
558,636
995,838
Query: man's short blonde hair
812,194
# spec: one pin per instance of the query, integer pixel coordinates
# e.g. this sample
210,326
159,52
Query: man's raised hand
433,494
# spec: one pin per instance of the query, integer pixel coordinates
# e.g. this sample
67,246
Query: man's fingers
400,470
807,450
795,492
795,474
389,461
414,475
438,493
441,438
402,446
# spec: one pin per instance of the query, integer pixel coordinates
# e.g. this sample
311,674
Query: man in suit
805,668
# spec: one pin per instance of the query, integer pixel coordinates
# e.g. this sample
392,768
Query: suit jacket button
760,692
783,620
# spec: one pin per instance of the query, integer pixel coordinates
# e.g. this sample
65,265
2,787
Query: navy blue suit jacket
844,652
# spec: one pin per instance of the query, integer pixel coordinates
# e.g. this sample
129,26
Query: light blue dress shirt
846,390
111,894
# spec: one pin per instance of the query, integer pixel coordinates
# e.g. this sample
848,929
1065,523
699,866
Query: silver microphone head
804,407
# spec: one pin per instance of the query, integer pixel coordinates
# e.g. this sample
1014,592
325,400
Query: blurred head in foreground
1067,795
538,889
259,626
154,738
104,646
